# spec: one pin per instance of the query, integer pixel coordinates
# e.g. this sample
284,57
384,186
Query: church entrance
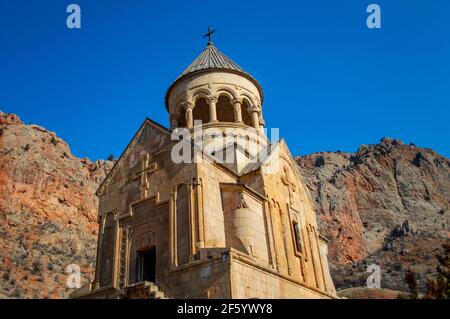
146,265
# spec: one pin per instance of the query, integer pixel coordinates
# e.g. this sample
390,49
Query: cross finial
209,34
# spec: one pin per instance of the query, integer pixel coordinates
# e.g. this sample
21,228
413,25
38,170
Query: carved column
255,117
309,263
314,256
285,229
272,212
322,277
123,256
189,116
101,221
262,123
199,207
173,229
237,104
303,258
212,100
115,277
269,230
192,221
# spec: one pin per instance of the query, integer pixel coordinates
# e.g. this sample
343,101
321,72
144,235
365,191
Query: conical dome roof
212,59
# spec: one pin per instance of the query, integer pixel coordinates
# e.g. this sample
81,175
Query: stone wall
252,280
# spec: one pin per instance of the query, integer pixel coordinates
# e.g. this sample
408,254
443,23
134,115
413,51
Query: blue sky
330,83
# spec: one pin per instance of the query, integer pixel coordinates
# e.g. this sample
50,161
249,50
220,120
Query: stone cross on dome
209,34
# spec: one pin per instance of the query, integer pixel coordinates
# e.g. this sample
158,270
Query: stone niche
245,225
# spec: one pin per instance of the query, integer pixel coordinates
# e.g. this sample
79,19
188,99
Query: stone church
205,227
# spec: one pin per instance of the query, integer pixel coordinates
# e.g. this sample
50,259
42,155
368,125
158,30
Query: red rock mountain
48,211
387,204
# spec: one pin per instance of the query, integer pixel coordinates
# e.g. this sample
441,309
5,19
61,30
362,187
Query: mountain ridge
386,203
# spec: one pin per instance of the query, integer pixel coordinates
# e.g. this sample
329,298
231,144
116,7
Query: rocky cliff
48,211
387,204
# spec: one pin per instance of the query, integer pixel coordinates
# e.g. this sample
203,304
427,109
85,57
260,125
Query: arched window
297,237
225,111
182,118
246,118
182,225
201,111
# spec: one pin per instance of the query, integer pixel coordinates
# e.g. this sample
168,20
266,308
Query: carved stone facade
208,229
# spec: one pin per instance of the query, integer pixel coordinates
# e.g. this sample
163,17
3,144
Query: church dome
212,59
214,91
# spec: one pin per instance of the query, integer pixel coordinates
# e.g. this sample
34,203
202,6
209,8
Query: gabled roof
212,59
263,156
130,145
266,156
